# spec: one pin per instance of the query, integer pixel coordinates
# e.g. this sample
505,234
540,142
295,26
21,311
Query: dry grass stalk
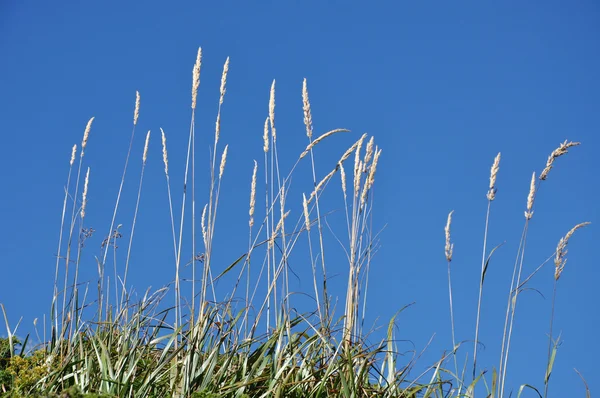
357,174
306,215
321,183
349,151
145,156
307,112
277,229
321,138
561,150
253,194
449,246
196,77
136,113
164,152
85,191
73,152
491,195
266,136
272,111
223,161
530,198
86,135
561,250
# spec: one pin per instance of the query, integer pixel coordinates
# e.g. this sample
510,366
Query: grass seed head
266,136
449,246
73,152
85,192
136,113
145,156
164,152
558,152
253,194
307,111
561,250
491,195
530,198
306,215
272,111
223,161
196,77
86,135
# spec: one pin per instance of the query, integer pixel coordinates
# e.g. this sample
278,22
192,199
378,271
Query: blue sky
443,86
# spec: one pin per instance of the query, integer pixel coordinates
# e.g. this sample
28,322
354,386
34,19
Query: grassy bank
104,340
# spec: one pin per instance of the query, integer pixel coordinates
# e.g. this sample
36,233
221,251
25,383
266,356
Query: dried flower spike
196,77
145,156
253,194
266,136
85,191
136,113
86,135
449,246
530,198
561,250
561,150
272,111
491,195
223,161
306,215
164,151
73,152
307,111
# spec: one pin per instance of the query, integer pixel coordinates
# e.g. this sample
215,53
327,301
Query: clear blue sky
443,86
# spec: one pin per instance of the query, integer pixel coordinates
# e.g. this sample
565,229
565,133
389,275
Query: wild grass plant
248,344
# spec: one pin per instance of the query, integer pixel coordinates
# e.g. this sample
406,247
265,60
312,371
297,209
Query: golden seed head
272,111
145,156
203,223
223,160
343,177
369,151
85,191
164,151
253,194
224,80
306,215
561,150
561,250
530,198
491,195
321,183
371,177
307,111
136,113
319,139
73,152
196,77
349,151
266,136
449,246
86,135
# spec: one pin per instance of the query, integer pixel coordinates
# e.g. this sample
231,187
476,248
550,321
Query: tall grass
247,344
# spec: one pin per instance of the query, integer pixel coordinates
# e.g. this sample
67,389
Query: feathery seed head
253,194
266,136
85,192
224,80
343,177
369,151
530,198
145,156
203,223
136,113
561,150
307,111
86,135
306,215
449,246
223,160
164,151
491,195
73,152
561,250
319,139
272,111
196,77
